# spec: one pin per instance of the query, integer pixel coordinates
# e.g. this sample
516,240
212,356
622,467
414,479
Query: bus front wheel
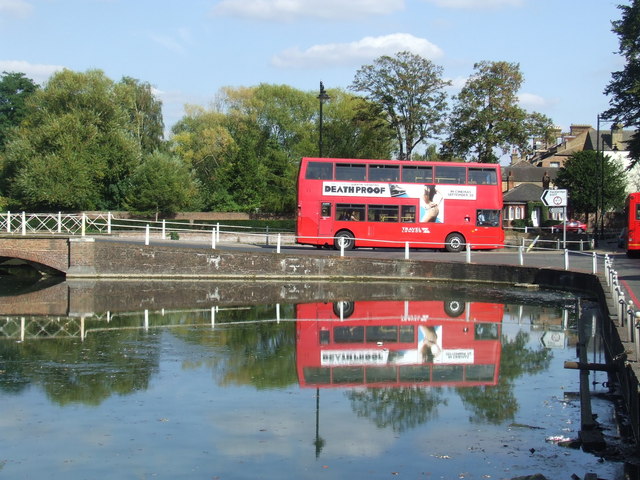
454,242
345,238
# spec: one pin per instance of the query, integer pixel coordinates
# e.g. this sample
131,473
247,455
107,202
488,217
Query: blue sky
189,49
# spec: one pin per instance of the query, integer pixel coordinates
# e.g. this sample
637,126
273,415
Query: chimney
616,137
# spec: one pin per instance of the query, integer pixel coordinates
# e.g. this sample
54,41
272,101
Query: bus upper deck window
319,171
455,175
384,173
348,171
483,176
414,174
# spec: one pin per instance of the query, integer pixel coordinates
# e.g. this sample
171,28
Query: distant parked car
572,226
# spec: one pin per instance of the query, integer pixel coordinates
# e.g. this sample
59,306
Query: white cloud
39,73
365,49
476,4
532,101
15,8
177,43
288,10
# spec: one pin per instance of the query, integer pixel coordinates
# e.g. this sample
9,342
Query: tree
145,113
625,84
162,184
486,117
410,90
15,88
584,175
76,149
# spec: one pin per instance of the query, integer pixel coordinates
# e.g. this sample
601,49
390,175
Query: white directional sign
554,198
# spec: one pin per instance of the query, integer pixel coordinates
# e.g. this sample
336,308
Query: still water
170,380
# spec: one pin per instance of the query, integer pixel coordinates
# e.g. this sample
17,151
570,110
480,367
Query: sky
189,49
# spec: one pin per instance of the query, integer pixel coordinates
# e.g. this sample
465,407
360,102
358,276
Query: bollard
277,313
109,223
594,263
59,222
521,255
213,238
566,259
213,313
341,242
267,230
146,235
24,223
218,232
406,250
279,243
164,229
146,319
468,253
629,315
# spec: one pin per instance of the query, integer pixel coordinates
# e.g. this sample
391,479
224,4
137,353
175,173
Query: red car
572,226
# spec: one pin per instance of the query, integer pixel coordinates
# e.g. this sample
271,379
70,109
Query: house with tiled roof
612,143
522,186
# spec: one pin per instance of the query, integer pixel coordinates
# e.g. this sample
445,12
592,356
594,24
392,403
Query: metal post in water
146,235
277,313
213,316
146,319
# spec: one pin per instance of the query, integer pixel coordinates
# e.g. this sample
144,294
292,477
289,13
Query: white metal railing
627,312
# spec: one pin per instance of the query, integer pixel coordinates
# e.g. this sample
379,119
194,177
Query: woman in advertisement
430,204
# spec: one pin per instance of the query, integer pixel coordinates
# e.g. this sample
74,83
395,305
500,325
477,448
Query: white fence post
83,230
8,222
279,243
218,232
566,259
594,267
59,222
213,237
468,253
146,235
521,255
164,229
24,223
406,250
109,223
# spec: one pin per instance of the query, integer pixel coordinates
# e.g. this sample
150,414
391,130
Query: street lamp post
600,160
322,97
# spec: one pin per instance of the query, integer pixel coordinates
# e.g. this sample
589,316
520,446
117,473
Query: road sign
554,198
556,210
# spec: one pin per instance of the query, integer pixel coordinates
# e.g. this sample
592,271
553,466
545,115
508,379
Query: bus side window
325,211
319,171
408,213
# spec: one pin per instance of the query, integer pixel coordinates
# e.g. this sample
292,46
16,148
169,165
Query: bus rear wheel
454,242
345,238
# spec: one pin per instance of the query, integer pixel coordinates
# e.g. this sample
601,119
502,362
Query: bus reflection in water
398,343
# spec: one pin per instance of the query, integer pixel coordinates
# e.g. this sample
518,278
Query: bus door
325,222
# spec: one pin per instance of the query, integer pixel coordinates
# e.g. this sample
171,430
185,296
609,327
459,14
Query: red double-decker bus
398,343
632,227
389,203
